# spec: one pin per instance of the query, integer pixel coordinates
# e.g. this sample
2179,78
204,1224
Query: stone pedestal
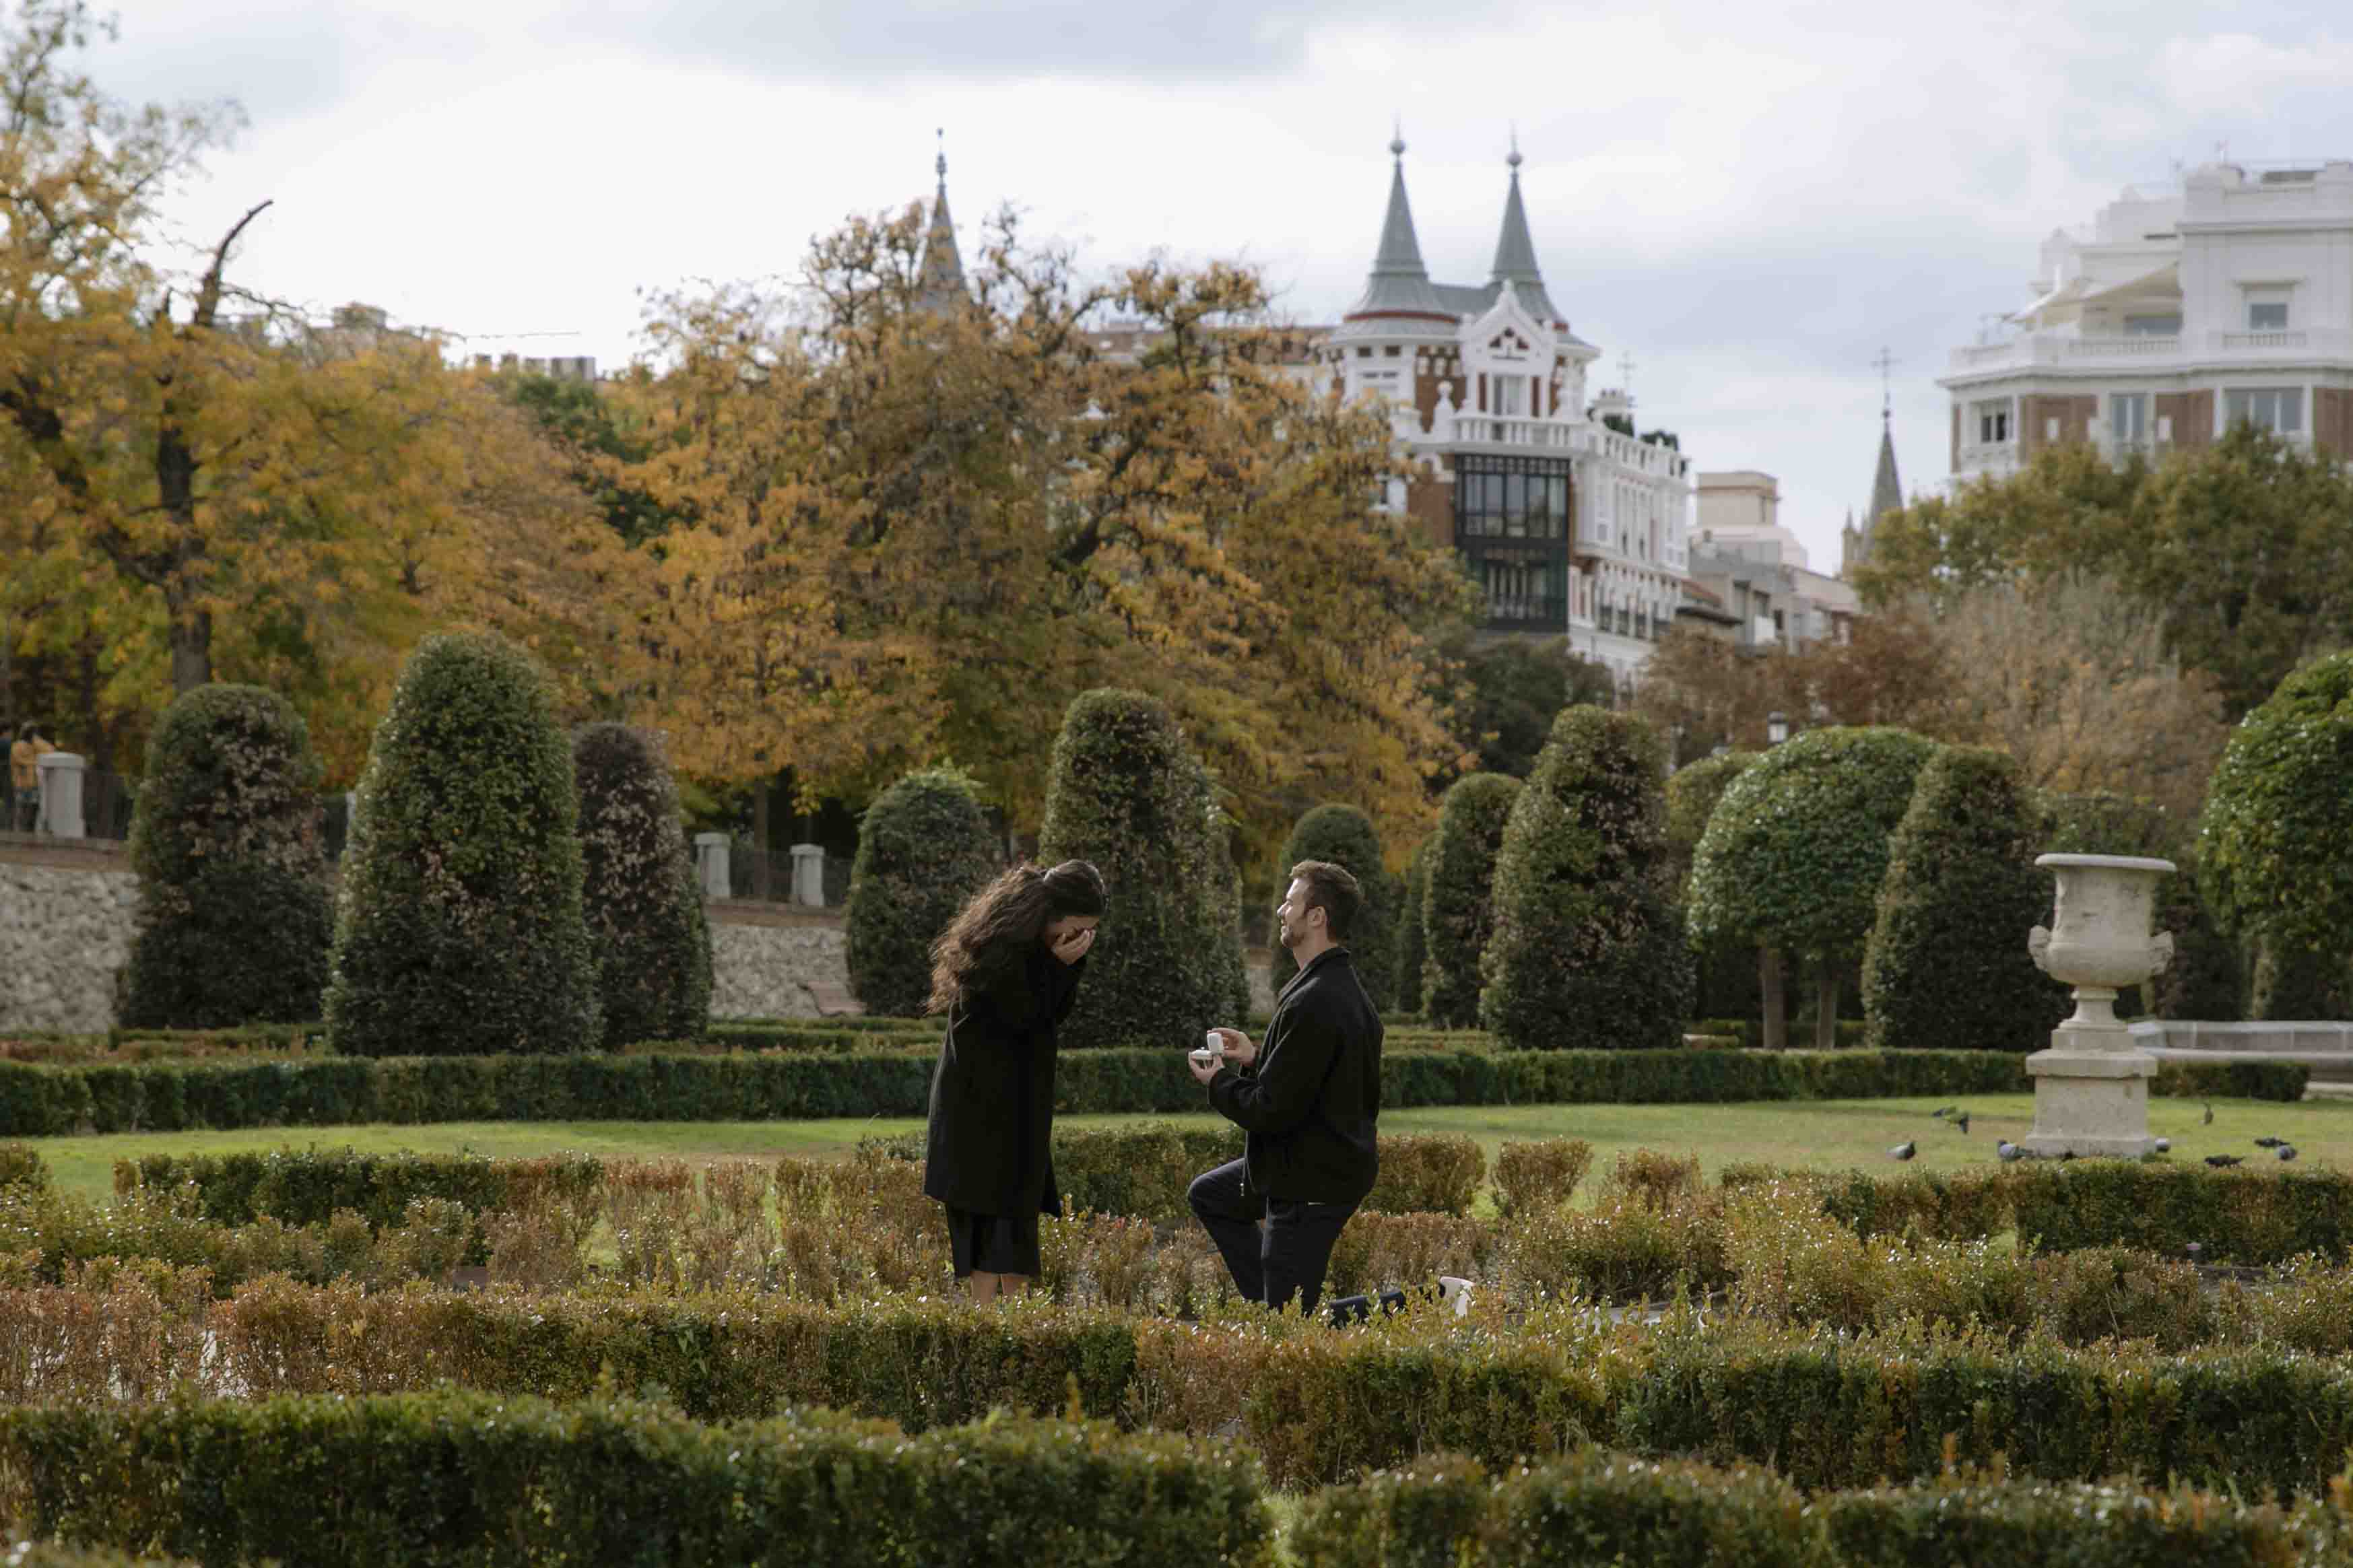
711,865
809,874
60,775
2091,1087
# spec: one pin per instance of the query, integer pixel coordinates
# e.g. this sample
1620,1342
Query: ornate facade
1575,529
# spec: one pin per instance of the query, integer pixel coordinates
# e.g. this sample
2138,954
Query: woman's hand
1072,945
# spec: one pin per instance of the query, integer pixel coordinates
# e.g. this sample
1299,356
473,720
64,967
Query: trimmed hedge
646,927
1457,910
50,1101
2275,841
1596,1506
311,1185
925,848
459,925
1128,794
1947,966
233,922
1412,945
456,1477
1346,837
1587,943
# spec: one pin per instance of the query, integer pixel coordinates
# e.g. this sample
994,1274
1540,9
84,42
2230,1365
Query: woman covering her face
1005,972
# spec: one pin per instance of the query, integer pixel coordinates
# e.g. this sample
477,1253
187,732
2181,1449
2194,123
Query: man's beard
1283,934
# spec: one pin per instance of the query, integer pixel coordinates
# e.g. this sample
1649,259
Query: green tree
459,926
924,847
2275,844
232,922
1346,837
1127,793
1795,851
646,925
1457,910
1587,947
1727,978
1947,967
1412,944
1511,691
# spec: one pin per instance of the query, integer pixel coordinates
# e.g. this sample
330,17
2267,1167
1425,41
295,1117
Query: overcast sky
1749,199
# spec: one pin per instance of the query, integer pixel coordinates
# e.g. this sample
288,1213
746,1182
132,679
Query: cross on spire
1886,363
1626,371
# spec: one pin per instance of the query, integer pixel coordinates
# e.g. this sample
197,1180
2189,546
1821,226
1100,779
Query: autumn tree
1510,690
919,531
207,481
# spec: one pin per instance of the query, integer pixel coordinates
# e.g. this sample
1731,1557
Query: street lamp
1776,727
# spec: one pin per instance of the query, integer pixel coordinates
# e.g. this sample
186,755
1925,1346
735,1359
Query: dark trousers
1286,1260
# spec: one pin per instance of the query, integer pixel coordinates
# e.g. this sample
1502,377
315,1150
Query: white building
1757,569
1574,530
2174,315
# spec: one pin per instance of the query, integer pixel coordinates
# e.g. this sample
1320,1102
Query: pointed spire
941,275
1398,280
1515,252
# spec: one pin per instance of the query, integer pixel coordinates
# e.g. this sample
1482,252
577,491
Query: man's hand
1240,1052
1072,945
1203,1071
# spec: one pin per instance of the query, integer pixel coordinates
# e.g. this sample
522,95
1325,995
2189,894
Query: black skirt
993,1243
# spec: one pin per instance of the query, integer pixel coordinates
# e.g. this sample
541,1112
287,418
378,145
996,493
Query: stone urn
2091,1087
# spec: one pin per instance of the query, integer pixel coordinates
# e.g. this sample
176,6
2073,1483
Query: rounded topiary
234,921
1457,916
1225,910
1412,950
1587,949
1127,793
458,928
1346,837
1725,982
2275,844
1947,967
647,926
924,847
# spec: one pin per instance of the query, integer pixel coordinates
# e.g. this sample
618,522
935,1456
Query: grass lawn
1829,1134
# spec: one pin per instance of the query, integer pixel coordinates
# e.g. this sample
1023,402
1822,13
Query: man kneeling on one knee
1309,1099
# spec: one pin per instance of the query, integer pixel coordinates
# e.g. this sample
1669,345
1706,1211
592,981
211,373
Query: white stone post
2091,1087
711,865
61,774
809,874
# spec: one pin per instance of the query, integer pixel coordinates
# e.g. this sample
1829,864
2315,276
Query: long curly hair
1004,920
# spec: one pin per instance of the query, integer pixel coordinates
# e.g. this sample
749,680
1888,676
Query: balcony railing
2035,349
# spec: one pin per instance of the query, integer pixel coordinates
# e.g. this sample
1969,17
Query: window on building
1993,421
2267,310
2128,415
2279,409
1511,396
2166,325
1511,524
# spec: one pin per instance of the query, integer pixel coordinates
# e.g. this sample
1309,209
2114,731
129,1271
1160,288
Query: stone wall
763,968
65,935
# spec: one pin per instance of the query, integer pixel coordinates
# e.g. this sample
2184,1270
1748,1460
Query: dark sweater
988,1148
1312,1097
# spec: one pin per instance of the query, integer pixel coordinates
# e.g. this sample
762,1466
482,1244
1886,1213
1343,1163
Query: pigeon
2209,1112
2165,1145
1942,1111
1962,1122
2007,1151
2287,1151
1904,1151
2221,1161
2270,1142
2069,1154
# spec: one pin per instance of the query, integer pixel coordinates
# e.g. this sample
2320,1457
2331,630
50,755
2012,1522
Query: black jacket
1312,1097
988,1148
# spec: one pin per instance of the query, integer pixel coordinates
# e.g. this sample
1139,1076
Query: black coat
1311,1099
989,1149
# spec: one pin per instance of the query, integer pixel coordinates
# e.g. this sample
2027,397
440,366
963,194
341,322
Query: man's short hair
1332,889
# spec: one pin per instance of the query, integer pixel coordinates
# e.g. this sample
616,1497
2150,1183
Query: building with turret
1575,529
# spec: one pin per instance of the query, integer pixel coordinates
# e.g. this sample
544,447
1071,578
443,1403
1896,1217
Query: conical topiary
1412,950
234,921
924,847
1587,949
1457,917
1346,837
647,926
1947,967
1128,794
459,928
